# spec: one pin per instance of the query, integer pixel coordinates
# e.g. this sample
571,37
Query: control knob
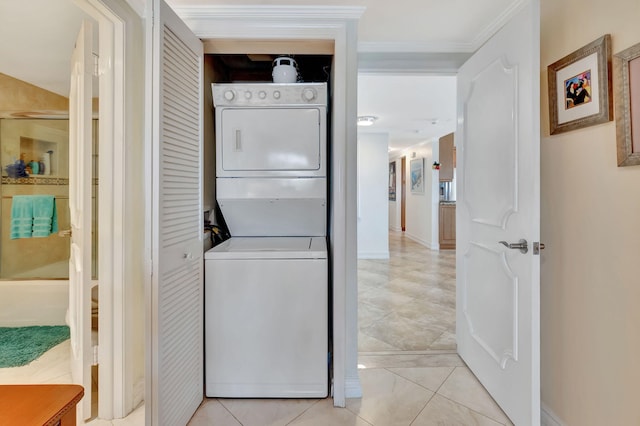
247,94
229,95
308,94
276,94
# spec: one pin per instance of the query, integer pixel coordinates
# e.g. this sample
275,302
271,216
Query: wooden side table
39,405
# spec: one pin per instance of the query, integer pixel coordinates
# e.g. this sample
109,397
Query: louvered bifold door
177,285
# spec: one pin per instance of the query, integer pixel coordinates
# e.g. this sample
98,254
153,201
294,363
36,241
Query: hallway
408,302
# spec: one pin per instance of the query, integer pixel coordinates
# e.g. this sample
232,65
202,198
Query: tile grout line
304,411
229,411
464,405
418,384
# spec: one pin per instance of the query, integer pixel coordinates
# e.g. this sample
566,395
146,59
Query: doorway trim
118,392
337,24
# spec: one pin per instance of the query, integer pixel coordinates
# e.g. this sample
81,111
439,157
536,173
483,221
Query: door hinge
537,246
95,355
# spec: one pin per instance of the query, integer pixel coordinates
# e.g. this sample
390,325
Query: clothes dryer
266,288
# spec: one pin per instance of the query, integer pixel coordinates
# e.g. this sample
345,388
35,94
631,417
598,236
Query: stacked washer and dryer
266,288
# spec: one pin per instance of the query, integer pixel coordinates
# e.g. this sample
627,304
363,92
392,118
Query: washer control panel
269,94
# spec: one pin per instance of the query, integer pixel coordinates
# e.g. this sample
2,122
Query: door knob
64,233
520,245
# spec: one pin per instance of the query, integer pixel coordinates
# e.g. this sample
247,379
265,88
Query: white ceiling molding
413,47
278,22
277,13
498,23
421,63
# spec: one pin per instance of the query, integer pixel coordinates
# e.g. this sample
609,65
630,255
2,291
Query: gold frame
602,48
624,120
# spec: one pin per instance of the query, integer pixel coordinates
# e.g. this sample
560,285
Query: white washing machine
266,318
266,288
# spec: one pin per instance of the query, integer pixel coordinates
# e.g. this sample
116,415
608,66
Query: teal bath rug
21,345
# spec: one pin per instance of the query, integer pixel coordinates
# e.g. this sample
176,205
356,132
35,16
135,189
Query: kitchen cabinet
446,158
447,226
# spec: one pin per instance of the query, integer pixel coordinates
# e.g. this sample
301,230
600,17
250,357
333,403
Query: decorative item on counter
435,166
17,169
35,167
46,160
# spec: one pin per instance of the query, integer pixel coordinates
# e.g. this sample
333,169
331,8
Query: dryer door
271,142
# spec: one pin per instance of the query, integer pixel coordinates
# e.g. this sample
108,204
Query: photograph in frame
417,176
627,105
392,181
580,89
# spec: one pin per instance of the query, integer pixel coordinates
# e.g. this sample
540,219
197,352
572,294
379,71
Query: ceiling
407,53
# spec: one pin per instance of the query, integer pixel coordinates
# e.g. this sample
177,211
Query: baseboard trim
422,242
548,417
352,387
373,255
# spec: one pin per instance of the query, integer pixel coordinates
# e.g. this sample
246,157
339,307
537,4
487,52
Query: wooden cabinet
447,226
446,158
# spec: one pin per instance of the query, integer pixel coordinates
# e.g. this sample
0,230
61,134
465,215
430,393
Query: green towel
33,216
21,216
45,217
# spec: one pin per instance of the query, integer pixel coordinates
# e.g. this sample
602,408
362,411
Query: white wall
421,221
373,185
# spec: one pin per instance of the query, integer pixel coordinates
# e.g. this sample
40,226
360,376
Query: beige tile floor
398,389
408,302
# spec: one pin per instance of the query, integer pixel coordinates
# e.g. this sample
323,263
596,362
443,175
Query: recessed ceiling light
366,120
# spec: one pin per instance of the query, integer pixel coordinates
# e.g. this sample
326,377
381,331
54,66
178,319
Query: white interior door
177,341
80,180
498,137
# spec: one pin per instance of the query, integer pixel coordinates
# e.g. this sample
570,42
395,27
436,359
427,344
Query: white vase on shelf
46,160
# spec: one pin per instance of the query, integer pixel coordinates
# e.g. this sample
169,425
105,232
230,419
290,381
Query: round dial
229,95
262,94
247,94
276,94
308,94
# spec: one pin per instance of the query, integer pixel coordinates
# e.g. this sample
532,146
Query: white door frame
117,391
337,24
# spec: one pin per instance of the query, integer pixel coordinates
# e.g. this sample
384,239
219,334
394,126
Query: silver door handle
520,245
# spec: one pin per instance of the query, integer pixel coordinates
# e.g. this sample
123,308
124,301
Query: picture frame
580,89
417,176
626,68
392,181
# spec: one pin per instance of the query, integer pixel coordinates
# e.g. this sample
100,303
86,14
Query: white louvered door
177,283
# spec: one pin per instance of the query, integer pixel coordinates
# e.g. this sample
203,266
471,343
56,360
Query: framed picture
626,68
580,89
392,181
417,176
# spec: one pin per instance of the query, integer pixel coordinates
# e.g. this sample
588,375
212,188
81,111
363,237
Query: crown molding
414,47
270,12
495,25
